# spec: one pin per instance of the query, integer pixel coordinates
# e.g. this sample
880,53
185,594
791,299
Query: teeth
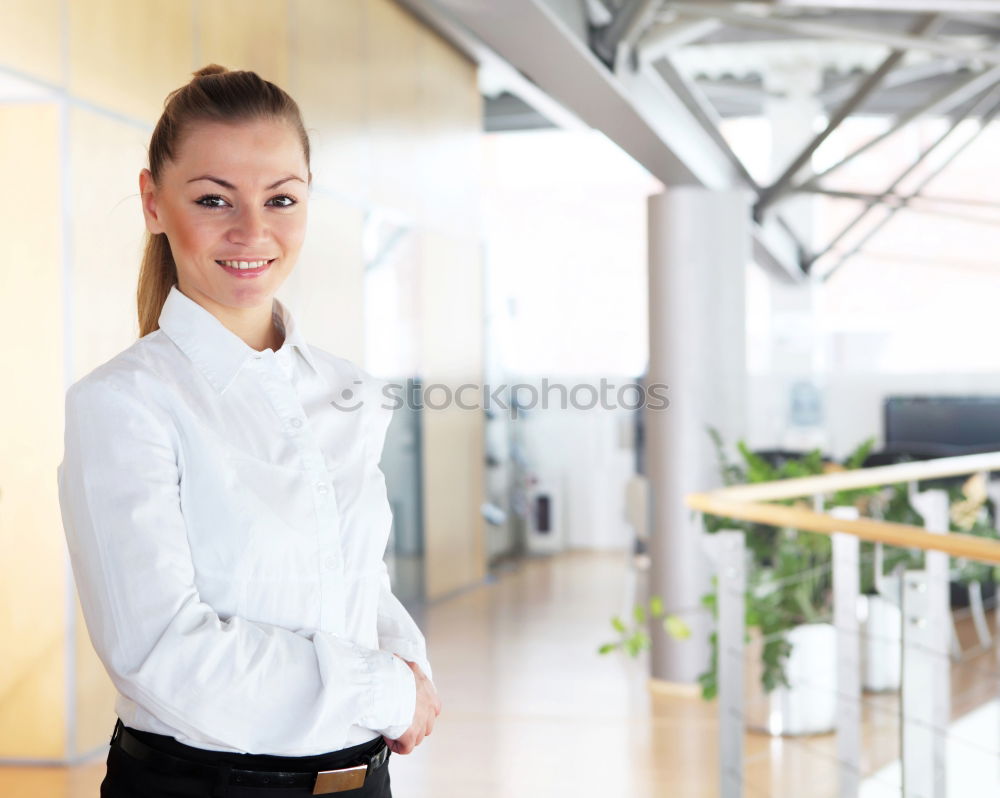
243,264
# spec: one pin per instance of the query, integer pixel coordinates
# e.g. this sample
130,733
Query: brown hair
214,94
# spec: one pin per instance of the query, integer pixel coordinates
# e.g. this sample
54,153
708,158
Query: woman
224,511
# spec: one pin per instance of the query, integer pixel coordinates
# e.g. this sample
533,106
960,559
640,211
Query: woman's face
234,195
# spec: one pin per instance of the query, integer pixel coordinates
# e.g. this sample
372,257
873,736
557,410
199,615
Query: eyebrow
227,184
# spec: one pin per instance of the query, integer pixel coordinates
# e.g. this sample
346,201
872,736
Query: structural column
699,250
794,382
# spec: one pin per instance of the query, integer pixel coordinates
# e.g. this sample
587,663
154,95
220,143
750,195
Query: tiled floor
530,708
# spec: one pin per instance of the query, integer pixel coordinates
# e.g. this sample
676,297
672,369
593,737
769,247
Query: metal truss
624,80
807,27
869,86
971,95
901,202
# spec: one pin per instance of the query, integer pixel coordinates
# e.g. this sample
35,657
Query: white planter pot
881,652
809,704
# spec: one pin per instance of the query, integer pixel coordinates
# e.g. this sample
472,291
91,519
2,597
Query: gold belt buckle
340,780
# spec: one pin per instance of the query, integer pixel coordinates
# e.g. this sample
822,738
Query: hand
427,709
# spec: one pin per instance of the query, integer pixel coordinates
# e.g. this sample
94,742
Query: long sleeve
397,631
234,682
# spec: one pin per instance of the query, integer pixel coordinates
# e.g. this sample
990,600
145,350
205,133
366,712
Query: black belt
322,782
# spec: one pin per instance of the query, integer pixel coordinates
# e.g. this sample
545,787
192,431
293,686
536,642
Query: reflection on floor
530,708
972,763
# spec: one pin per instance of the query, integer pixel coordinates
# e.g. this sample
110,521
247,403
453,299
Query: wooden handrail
862,478
745,502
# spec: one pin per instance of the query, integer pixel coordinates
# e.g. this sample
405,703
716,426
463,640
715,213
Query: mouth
246,268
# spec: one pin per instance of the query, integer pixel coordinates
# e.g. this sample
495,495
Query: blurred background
784,212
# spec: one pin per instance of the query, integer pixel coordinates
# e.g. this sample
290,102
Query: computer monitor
946,424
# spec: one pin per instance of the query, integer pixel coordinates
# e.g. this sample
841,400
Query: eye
291,201
207,200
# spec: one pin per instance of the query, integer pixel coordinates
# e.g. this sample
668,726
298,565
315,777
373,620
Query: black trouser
132,778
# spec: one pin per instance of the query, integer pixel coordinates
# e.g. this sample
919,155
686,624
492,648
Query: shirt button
322,487
296,422
330,563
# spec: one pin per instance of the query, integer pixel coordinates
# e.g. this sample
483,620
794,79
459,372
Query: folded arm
397,631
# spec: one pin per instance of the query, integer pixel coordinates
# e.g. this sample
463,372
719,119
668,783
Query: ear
147,190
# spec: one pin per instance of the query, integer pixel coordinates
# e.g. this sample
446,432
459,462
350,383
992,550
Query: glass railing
875,667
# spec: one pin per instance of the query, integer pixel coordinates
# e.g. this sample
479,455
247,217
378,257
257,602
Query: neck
254,325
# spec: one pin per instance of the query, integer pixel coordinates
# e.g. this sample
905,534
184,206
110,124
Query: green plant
973,513
789,581
891,503
633,637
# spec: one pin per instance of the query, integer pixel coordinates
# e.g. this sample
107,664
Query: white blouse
226,520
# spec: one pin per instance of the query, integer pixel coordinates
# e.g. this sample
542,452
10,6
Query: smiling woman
219,228
225,518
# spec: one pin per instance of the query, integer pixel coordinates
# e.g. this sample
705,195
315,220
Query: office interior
664,249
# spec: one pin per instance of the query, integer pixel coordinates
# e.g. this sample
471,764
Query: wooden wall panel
127,55
105,158
326,287
395,117
452,316
328,77
451,122
30,32
33,584
244,34
394,130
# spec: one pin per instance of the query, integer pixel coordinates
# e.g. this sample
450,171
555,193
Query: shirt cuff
408,650
394,696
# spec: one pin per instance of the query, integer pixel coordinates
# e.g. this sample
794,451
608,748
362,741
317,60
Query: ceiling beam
636,111
633,17
892,210
942,102
902,6
703,112
893,198
828,30
868,87
501,75
633,107
901,76
661,39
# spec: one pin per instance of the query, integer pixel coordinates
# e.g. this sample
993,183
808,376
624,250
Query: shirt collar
212,346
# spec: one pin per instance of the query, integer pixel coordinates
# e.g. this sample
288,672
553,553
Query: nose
249,227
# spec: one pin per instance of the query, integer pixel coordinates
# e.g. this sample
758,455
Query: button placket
331,558
330,561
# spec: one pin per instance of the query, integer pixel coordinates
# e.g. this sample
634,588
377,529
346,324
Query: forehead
243,151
